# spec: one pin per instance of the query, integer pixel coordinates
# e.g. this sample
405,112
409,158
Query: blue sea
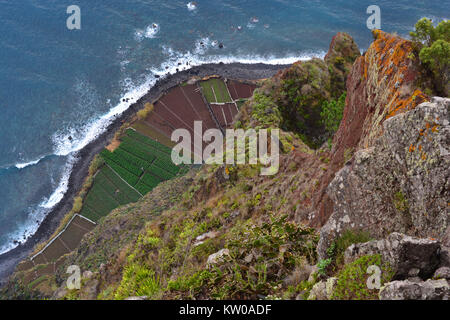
57,83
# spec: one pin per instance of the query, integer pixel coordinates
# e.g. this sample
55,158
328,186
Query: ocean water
57,83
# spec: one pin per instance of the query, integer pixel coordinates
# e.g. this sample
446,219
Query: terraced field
240,90
66,241
224,113
137,166
215,91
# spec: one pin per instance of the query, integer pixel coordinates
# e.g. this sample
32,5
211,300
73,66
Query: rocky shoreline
9,260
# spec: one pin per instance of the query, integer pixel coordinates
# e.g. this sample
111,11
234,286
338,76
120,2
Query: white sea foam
149,32
192,6
22,234
26,164
202,45
38,213
61,190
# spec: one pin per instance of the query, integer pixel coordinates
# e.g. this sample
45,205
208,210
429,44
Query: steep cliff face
401,183
381,84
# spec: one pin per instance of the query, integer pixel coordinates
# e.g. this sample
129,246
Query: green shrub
143,113
433,44
323,265
332,112
337,249
352,279
137,280
77,204
400,202
265,110
193,283
277,247
96,163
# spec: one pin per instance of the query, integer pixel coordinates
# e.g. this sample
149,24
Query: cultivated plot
215,91
137,166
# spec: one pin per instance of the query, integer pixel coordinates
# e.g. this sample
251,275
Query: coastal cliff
375,194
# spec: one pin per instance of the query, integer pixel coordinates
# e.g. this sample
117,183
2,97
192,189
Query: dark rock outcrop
406,256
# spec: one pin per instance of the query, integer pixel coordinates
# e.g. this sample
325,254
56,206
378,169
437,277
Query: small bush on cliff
335,252
96,163
433,45
265,111
77,204
332,112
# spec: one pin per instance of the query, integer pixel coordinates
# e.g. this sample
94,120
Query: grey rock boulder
442,273
408,290
217,257
318,291
407,256
323,290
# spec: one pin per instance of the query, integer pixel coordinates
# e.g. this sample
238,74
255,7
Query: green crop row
99,199
121,161
143,188
161,173
130,178
138,149
117,181
207,91
112,189
221,90
134,159
89,213
155,144
167,165
220,93
102,194
150,180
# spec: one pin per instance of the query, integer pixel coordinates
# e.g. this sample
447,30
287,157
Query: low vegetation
143,113
332,112
353,278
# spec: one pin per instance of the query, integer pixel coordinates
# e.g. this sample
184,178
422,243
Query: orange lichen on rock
435,128
403,105
391,54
